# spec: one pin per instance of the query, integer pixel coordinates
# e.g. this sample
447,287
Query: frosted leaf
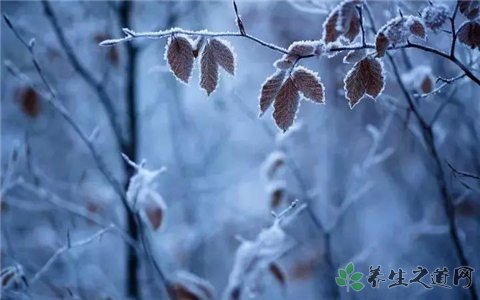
381,44
344,20
224,55
416,26
208,69
285,62
330,33
397,31
179,55
140,183
309,84
469,34
185,285
435,16
366,77
272,163
269,90
277,192
469,8
286,104
154,208
354,28
354,55
253,260
420,78
301,48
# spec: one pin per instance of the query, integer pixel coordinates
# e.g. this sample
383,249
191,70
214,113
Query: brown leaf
381,44
180,292
154,208
353,28
270,89
224,55
469,34
276,197
208,69
29,102
330,33
469,8
417,28
278,273
309,84
155,215
179,55
366,77
286,105
427,85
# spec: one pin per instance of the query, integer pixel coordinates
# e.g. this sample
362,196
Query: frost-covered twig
67,247
445,82
72,208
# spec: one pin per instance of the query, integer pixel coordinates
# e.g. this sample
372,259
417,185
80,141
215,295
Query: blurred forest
118,181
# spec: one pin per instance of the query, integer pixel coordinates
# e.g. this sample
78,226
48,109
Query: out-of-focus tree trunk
125,13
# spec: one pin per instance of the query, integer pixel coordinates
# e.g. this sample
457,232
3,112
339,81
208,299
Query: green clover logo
349,278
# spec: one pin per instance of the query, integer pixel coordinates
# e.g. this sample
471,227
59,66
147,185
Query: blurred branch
98,235
72,208
96,85
462,173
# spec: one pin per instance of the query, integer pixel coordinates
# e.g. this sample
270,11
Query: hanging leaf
179,55
353,27
187,286
354,55
270,89
344,20
366,77
381,44
278,274
224,55
469,8
469,34
301,48
29,102
286,105
309,84
330,33
416,27
208,69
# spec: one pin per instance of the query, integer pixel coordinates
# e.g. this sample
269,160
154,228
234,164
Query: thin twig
64,249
